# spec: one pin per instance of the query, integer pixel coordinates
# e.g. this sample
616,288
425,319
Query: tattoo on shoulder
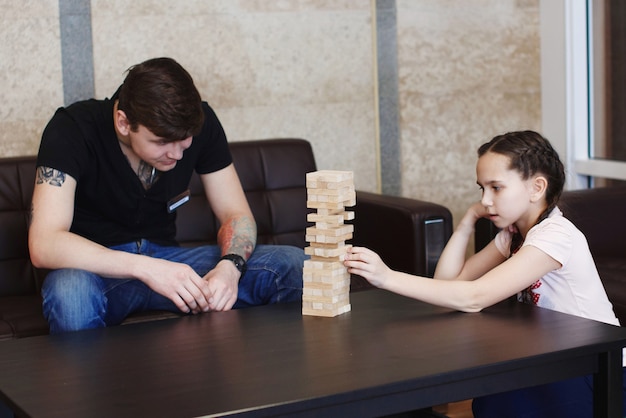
50,175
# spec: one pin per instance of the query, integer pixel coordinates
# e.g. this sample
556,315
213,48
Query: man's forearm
63,249
238,236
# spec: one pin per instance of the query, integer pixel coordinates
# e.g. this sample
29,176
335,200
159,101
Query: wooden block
315,201
329,252
335,235
332,176
320,191
306,310
323,239
339,258
325,205
336,219
328,301
336,201
325,305
331,232
333,268
336,284
324,212
309,292
321,280
317,275
325,246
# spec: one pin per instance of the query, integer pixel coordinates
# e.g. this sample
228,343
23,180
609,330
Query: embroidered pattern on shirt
529,296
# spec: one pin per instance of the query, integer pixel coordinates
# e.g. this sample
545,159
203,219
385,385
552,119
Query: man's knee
288,262
73,300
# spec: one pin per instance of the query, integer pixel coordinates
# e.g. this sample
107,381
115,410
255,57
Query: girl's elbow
471,309
472,303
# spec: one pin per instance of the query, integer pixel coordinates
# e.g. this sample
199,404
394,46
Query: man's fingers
181,304
190,298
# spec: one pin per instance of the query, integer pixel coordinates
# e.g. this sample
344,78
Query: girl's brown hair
529,154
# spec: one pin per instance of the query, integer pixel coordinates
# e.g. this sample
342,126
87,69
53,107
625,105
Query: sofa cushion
598,214
612,271
22,315
272,175
17,179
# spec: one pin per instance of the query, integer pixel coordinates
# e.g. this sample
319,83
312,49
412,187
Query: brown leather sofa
409,234
599,214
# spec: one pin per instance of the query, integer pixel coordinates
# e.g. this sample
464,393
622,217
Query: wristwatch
237,260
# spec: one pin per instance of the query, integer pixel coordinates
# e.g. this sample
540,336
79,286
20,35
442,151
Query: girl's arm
504,280
453,265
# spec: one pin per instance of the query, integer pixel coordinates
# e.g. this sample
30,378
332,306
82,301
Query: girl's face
505,195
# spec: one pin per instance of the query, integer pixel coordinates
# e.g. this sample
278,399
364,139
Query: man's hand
223,282
181,284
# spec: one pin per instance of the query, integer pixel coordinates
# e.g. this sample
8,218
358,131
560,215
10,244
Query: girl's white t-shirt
575,288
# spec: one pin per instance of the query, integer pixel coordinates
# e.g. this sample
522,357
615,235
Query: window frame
566,68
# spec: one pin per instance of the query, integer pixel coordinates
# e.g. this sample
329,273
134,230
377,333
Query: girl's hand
477,210
367,264
473,214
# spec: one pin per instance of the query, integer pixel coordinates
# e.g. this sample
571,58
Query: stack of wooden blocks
326,281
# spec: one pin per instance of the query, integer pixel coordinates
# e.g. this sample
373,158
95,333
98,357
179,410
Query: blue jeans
572,398
78,299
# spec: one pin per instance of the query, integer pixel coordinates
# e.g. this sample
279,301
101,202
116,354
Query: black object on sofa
409,234
599,214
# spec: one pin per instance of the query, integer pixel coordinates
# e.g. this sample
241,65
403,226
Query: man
110,175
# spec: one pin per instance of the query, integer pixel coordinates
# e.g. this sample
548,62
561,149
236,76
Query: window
583,59
607,23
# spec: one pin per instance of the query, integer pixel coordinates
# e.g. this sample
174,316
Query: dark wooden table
389,354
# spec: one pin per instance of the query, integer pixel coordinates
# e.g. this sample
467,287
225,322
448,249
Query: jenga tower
326,281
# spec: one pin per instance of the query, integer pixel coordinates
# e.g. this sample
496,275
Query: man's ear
539,186
121,122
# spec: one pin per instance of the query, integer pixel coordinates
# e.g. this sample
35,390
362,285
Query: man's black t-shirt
111,205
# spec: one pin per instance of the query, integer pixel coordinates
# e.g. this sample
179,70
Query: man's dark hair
160,95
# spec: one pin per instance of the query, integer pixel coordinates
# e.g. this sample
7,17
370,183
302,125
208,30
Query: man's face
155,150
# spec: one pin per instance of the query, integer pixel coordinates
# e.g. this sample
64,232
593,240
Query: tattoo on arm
237,236
50,175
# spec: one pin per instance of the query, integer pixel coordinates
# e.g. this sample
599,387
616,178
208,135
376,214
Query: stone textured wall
270,69
31,85
468,70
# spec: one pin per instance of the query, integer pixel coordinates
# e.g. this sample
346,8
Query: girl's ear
539,186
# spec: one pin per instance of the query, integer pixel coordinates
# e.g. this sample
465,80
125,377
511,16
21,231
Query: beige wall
468,69
270,69
30,72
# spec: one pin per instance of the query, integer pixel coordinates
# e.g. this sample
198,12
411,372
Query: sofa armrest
408,234
484,232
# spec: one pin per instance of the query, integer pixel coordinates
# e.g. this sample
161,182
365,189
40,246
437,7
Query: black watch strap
237,260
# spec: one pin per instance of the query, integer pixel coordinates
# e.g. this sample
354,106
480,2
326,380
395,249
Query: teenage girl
538,255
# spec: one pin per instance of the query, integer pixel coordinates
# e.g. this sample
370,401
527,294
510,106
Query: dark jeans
571,398
78,299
